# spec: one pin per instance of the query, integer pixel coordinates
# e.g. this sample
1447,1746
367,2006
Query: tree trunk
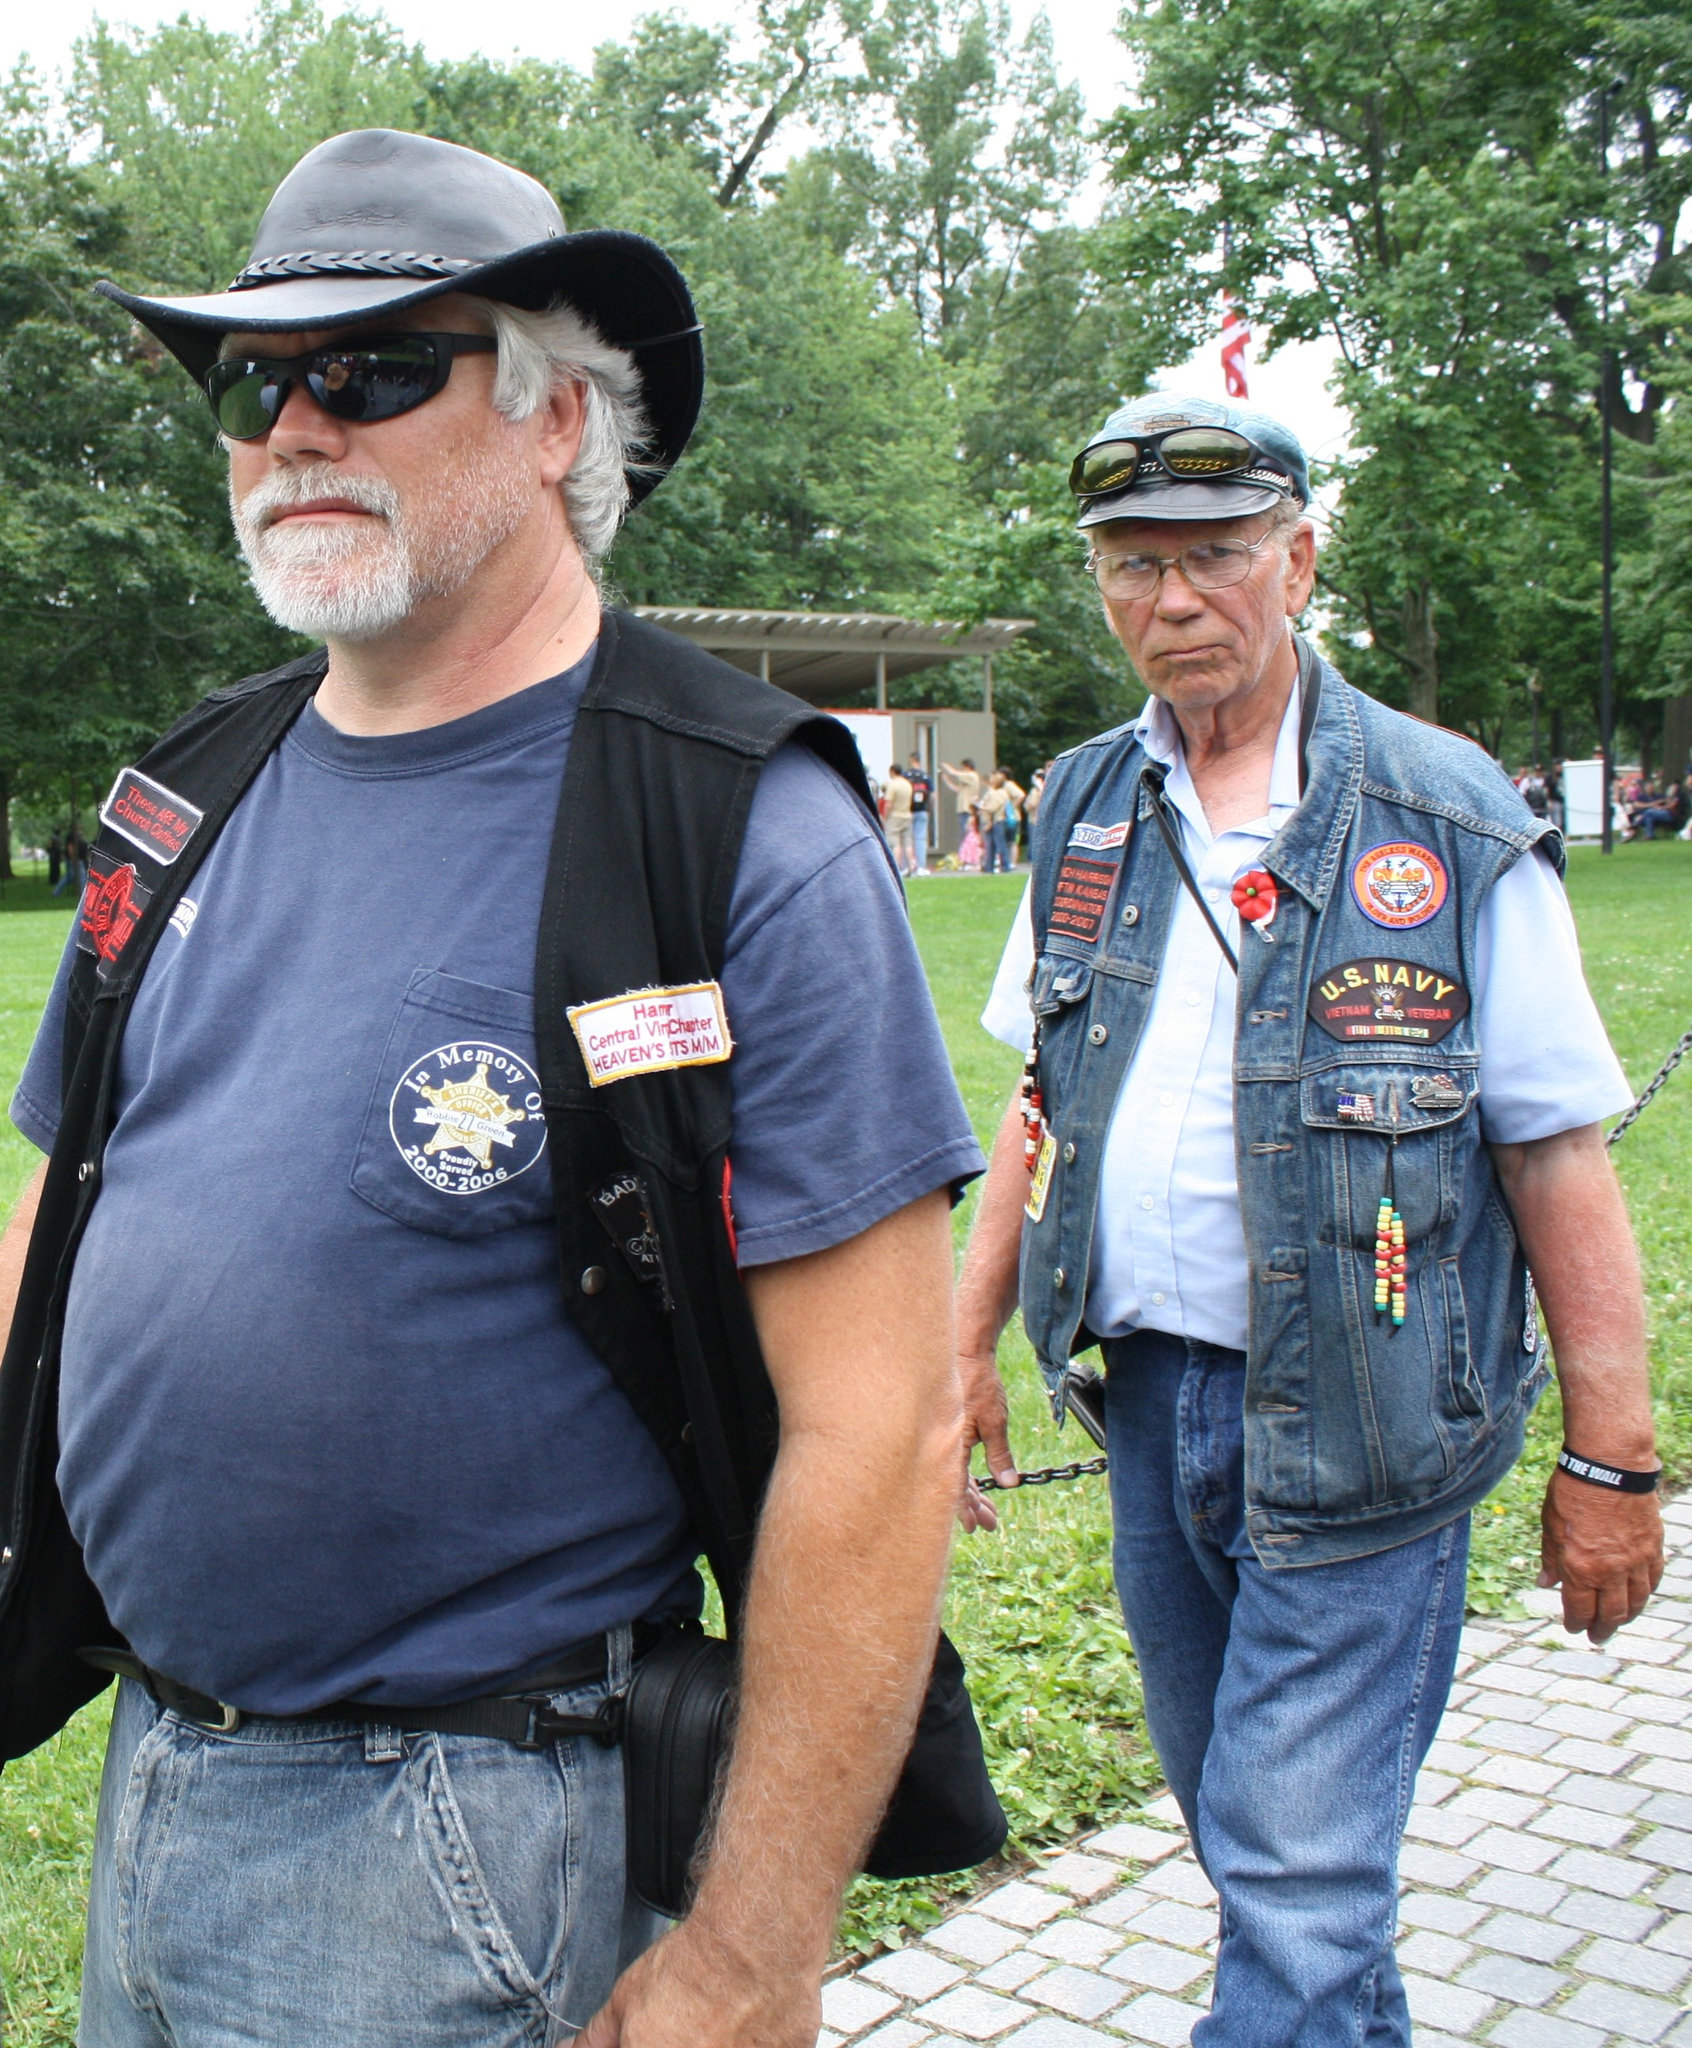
1421,651
5,826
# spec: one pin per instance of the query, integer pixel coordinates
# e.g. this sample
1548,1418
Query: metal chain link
1082,1469
1656,1081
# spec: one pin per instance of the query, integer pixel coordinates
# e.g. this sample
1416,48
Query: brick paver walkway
1547,1877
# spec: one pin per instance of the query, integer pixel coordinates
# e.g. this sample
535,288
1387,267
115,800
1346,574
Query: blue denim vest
1358,1435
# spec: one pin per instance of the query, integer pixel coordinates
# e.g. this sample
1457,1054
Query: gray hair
538,352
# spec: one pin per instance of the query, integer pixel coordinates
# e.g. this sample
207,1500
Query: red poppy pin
1254,896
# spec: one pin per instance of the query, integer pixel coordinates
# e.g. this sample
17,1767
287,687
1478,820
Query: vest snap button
1130,913
593,1280
1057,1276
1098,1034
86,1170
1069,1153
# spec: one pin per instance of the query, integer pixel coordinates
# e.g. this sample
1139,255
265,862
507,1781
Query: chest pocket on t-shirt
454,1140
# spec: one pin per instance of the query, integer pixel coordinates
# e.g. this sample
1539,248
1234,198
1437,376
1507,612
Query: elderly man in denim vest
1313,1103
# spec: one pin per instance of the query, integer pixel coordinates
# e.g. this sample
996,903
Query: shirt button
1158,1300
1146,1202
1097,1034
1193,998
1167,1097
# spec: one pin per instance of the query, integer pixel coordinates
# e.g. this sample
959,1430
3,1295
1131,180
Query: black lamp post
1606,534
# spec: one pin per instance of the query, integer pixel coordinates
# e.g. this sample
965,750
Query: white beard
357,580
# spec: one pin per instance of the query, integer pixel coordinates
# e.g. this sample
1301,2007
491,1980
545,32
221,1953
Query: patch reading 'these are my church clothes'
1387,999
149,816
650,1030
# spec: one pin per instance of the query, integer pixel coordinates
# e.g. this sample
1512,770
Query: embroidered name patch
1399,885
1083,897
149,816
111,908
1387,999
651,1030
468,1116
1099,838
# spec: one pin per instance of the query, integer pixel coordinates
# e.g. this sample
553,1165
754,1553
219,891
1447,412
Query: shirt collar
1160,736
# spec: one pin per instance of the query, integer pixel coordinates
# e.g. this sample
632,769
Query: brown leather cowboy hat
378,219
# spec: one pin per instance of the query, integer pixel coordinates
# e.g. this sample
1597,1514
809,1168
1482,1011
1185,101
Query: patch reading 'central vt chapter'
1388,999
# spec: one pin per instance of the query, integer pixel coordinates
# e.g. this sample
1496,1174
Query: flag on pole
1236,335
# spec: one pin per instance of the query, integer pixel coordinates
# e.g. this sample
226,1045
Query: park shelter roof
823,656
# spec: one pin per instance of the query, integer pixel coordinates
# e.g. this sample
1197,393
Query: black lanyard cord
1151,782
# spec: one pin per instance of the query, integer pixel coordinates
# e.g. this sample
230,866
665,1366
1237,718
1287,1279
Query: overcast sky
1291,385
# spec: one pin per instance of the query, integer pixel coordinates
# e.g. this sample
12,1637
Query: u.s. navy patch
468,1116
1399,885
651,1030
1387,999
110,909
149,816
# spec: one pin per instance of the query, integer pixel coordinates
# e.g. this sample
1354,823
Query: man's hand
1604,1549
691,1988
986,1421
986,1302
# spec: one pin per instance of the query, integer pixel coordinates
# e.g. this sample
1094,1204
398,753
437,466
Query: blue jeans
341,1886
919,839
998,849
1290,1709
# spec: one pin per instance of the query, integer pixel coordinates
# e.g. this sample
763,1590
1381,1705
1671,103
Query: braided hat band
351,263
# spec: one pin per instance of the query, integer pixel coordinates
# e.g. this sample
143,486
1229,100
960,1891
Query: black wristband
1611,1476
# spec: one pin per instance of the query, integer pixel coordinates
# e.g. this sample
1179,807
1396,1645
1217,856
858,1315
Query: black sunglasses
1188,453
376,377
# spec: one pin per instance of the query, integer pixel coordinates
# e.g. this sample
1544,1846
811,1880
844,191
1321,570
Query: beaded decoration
1033,1106
1390,1296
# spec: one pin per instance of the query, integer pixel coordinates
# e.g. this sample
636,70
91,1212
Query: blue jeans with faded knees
1290,1709
326,1885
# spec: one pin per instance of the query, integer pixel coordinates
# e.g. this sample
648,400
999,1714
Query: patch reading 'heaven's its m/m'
1387,999
1083,897
651,1030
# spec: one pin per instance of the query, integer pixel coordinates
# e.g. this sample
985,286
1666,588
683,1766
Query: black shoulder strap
664,762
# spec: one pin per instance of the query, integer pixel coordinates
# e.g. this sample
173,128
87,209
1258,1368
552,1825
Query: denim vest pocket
1059,998
1356,1100
454,1139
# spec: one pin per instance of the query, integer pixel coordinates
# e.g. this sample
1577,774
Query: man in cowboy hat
1315,1086
343,1466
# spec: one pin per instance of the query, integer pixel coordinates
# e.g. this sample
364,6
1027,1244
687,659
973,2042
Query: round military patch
1399,885
468,1116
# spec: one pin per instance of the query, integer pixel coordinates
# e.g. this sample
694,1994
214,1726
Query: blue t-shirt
326,1429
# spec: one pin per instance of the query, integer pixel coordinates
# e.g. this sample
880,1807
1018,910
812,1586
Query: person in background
1031,810
964,781
993,814
896,816
922,810
55,858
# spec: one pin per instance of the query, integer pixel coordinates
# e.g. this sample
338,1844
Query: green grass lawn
1032,1607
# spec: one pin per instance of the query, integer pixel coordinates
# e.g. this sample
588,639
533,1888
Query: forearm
1579,1246
987,1287
837,1643
838,1633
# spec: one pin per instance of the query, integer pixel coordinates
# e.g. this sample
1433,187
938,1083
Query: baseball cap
1280,474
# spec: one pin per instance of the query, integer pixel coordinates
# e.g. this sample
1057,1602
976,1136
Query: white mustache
284,490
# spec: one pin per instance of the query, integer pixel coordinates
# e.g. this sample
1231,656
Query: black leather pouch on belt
678,1720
